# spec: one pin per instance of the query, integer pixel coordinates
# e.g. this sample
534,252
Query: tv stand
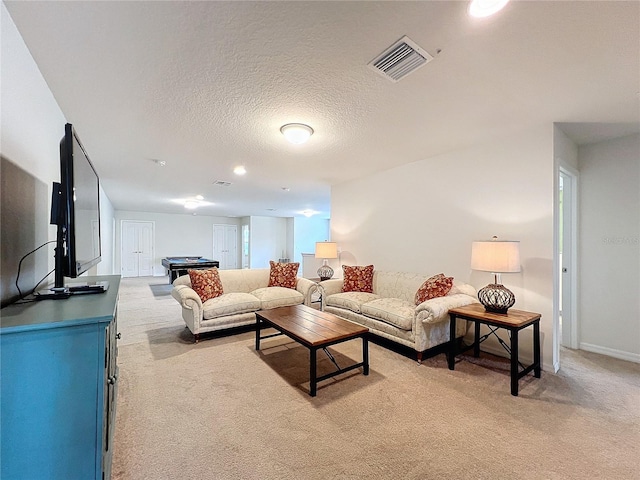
59,386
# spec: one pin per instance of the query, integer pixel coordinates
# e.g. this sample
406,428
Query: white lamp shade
296,132
326,250
496,256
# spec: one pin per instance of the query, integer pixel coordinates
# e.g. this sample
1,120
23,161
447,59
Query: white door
225,245
567,247
137,249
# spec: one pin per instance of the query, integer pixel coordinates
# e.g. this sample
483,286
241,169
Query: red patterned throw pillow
436,286
357,279
283,274
206,283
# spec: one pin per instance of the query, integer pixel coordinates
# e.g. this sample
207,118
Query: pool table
178,266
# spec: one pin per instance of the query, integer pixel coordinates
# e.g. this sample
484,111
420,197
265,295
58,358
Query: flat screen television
75,209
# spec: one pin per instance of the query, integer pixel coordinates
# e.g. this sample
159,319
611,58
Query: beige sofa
390,311
245,292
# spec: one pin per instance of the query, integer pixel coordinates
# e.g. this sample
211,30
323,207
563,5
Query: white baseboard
610,352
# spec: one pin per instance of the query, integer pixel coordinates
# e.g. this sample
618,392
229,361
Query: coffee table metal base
262,320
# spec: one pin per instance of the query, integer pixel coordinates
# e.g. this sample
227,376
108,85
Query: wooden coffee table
315,330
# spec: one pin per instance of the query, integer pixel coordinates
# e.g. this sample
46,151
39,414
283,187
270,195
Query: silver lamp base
496,298
325,272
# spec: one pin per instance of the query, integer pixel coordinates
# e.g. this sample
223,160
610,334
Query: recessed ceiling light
296,132
199,197
485,8
240,170
308,213
191,204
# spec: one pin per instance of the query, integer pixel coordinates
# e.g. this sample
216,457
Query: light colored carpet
220,410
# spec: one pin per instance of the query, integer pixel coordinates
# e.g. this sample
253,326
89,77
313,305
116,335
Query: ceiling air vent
222,183
400,59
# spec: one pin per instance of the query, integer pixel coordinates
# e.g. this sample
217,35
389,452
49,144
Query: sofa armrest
192,311
329,287
332,286
306,287
186,297
437,309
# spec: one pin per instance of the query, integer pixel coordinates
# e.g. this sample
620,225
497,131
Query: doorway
566,295
137,246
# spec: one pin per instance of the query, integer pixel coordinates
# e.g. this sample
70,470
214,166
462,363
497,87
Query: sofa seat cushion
395,311
273,297
350,300
230,304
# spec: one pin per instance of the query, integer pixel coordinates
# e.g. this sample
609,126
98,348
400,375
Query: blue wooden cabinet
58,386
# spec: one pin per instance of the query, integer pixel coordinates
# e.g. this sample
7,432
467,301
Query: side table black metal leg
313,374
537,370
365,355
451,360
257,333
514,362
476,340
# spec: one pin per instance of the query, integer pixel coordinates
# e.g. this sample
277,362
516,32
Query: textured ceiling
205,86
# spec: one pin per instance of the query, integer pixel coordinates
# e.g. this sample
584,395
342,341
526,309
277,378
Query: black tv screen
81,206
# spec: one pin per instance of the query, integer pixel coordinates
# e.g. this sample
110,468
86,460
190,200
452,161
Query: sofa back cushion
244,280
401,285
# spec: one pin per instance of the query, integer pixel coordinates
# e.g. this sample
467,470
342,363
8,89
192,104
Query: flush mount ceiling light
296,132
240,170
191,204
485,8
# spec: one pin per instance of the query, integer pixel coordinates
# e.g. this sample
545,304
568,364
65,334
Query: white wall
565,151
31,127
308,231
32,122
267,240
609,253
422,217
174,235
107,233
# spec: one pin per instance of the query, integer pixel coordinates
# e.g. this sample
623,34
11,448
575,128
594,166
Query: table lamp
326,250
496,256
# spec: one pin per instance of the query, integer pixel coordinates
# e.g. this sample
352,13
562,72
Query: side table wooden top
513,317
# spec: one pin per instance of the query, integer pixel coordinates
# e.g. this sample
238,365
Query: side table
513,321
